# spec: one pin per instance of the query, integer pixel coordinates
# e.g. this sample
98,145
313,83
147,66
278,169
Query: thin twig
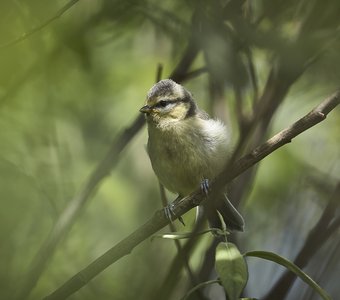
158,220
41,26
252,75
195,73
159,72
239,104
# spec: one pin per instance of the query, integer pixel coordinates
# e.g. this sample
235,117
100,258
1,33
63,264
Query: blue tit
187,148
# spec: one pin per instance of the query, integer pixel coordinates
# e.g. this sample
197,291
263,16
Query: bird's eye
163,103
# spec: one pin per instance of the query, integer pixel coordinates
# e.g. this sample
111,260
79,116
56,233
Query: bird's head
168,102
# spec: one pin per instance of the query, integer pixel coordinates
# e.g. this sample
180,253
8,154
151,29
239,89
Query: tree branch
158,220
41,26
314,117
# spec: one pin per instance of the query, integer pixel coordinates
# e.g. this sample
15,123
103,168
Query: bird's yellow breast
184,154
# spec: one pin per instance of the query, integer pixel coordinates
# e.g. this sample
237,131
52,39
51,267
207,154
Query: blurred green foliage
67,90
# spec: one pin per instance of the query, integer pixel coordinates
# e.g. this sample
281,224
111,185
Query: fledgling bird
187,147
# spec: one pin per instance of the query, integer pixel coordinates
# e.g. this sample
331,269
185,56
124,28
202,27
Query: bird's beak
145,109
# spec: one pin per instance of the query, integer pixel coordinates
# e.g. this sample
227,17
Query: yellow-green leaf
292,267
194,289
232,269
187,235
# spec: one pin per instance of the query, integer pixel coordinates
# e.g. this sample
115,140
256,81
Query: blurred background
73,75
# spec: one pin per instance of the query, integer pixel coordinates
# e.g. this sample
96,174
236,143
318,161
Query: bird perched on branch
187,148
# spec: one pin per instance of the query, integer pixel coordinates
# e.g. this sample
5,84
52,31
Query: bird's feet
205,186
170,214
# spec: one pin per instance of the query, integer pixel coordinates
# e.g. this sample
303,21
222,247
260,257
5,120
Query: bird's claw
170,214
205,186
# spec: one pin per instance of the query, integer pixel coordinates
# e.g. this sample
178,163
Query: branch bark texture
158,220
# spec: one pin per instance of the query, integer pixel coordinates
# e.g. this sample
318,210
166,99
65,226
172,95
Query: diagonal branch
314,117
41,26
158,220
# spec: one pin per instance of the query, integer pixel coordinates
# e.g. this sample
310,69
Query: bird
187,148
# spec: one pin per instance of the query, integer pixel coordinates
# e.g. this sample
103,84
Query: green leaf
292,267
200,285
186,235
232,269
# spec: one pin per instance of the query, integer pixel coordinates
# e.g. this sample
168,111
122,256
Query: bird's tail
231,217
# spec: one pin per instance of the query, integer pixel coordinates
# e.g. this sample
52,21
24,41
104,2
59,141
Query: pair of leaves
232,269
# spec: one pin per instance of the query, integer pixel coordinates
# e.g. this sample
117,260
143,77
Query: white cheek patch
180,111
169,107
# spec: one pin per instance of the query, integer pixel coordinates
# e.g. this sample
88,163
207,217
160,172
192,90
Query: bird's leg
169,211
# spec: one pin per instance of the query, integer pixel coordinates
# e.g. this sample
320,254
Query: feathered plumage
186,146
